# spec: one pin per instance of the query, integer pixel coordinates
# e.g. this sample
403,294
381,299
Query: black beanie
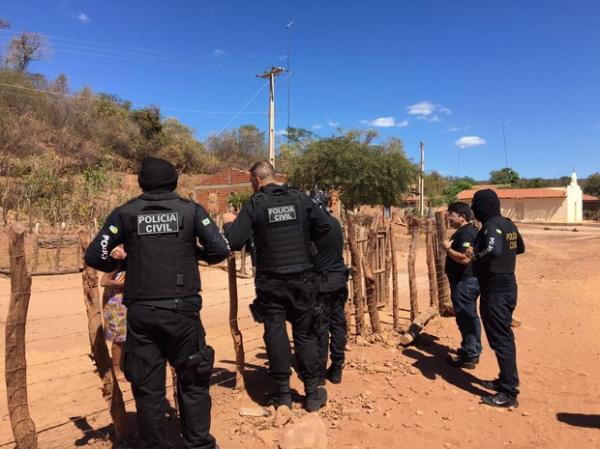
157,174
485,205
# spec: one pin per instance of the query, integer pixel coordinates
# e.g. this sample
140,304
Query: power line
195,111
244,107
50,37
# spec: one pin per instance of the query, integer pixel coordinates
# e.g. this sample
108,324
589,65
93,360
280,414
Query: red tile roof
587,197
518,193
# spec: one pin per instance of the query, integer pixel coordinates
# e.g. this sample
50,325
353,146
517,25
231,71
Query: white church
547,205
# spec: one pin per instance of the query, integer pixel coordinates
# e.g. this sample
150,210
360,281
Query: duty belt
286,276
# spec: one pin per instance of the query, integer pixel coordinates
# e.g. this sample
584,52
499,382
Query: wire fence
63,371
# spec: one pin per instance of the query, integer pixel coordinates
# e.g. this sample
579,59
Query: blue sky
445,72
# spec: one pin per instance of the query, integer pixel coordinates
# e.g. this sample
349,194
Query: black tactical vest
159,238
281,234
505,264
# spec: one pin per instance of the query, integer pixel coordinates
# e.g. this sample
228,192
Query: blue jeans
464,299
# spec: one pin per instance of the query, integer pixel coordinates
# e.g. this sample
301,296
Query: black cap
157,174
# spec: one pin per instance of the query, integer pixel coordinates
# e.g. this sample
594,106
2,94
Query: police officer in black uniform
159,231
332,277
283,221
498,243
464,288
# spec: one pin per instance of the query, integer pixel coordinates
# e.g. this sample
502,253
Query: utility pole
271,74
422,180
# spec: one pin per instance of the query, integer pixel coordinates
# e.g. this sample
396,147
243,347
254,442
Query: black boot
316,399
462,362
334,374
283,393
500,400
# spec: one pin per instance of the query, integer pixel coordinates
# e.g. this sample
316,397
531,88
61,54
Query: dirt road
390,398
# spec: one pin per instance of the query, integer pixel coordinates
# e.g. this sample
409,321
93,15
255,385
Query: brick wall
214,191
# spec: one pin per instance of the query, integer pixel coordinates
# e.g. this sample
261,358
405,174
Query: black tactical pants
498,301
293,300
333,323
155,336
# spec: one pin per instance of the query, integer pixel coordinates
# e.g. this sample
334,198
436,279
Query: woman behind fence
115,316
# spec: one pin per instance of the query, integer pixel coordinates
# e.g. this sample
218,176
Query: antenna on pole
271,74
505,150
422,180
289,69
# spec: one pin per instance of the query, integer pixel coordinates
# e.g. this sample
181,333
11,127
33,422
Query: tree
592,185
238,147
435,185
453,190
505,175
362,173
148,120
24,49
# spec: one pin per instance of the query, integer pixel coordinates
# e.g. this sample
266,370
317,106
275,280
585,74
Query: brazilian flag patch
206,221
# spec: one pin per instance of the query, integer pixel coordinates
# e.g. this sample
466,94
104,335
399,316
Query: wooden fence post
357,275
110,387
433,288
388,264
444,302
370,281
15,363
395,293
61,237
415,225
36,248
238,340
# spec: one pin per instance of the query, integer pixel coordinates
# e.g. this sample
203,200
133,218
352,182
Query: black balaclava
485,205
157,174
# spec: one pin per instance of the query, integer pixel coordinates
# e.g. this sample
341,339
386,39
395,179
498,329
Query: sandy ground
390,397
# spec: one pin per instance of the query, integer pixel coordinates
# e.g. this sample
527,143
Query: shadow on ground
431,359
579,420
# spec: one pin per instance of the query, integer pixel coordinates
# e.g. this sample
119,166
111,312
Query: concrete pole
271,74
272,119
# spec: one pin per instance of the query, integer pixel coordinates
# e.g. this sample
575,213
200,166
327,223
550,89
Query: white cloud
402,124
381,122
281,132
317,126
282,57
453,129
426,110
83,18
219,52
333,124
469,141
